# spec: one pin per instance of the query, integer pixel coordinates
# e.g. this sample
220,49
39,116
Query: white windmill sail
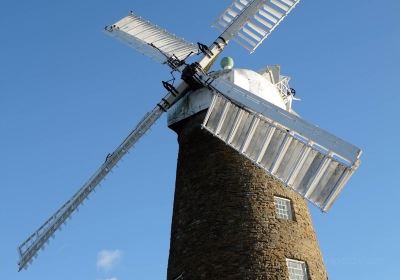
261,18
161,46
304,157
151,40
251,21
31,246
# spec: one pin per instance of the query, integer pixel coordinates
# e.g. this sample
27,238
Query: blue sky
69,94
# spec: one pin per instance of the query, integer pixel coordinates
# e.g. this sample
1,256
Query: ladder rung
281,153
246,39
266,143
306,151
222,118
272,11
254,123
238,119
321,170
280,5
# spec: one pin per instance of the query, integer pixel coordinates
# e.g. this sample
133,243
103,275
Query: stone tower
230,219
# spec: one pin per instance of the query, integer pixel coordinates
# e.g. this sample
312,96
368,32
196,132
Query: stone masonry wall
224,223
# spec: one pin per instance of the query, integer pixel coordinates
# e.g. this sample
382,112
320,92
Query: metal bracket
170,88
108,156
205,50
190,75
174,62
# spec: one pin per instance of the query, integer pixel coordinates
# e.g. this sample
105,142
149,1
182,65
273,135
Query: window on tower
297,269
283,208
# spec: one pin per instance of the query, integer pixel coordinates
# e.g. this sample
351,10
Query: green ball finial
227,63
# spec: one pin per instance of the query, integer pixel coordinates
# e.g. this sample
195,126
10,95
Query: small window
283,208
297,270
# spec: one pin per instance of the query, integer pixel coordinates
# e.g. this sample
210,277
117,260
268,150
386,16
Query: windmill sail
260,18
304,157
151,40
166,48
29,248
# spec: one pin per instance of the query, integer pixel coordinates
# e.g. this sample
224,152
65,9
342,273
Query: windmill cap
199,100
227,63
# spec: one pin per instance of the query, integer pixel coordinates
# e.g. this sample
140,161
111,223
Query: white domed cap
200,100
256,84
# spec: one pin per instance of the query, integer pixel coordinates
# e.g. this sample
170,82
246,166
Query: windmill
305,158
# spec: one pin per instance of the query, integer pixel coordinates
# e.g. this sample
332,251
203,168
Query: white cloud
112,278
106,260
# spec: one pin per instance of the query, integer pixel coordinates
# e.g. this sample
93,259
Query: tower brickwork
224,222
